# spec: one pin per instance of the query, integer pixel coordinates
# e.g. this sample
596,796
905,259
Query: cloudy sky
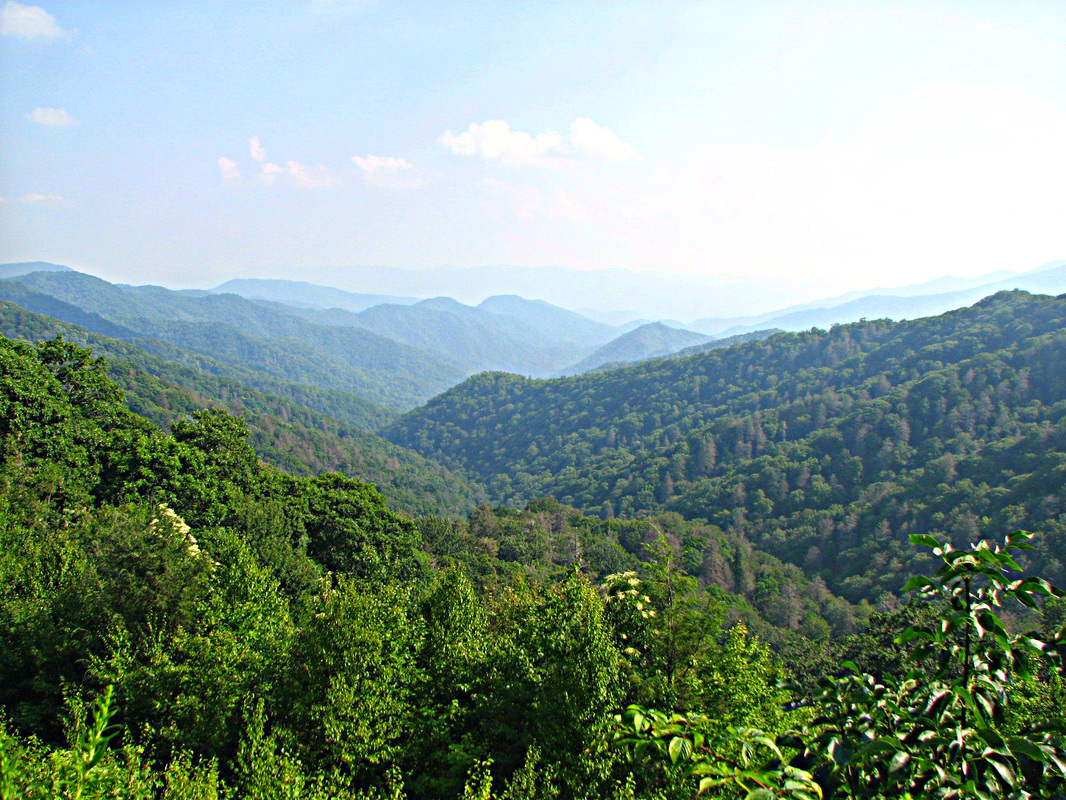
816,145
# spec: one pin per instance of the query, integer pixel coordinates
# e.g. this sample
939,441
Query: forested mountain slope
26,267
284,434
648,341
475,339
502,332
197,624
728,341
341,405
306,295
552,322
239,332
825,448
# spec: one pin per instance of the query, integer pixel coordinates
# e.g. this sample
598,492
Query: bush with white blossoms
167,522
629,609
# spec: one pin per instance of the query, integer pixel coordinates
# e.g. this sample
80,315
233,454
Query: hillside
554,323
13,270
158,586
728,341
308,295
474,339
240,332
284,433
826,448
648,341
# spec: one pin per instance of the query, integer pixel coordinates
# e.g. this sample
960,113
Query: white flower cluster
177,526
625,587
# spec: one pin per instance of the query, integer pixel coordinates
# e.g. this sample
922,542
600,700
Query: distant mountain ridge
13,270
309,295
648,341
243,333
533,337
905,302
552,321
661,295
592,328
390,353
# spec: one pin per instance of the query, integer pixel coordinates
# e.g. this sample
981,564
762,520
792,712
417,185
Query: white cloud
230,172
259,153
292,173
306,178
381,163
395,173
43,199
268,173
298,175
495,139
52,118
28,22
599,142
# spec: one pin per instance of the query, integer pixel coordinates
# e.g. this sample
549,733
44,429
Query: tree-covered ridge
470,337
186,367
284,434
239,333
651,340
826,448
716,344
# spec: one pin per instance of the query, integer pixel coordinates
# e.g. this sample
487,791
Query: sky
811,147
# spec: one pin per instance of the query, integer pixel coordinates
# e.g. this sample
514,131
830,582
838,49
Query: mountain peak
19,268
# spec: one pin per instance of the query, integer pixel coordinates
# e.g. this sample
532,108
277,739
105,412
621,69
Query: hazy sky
843,145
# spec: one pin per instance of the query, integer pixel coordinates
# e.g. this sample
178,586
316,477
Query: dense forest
827,448
287,434
694,579
179,619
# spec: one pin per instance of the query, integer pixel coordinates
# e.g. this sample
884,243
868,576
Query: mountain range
618,296
396,353
905,302
807,444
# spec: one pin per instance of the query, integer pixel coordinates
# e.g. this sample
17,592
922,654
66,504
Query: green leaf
918,582
1023,746
910,635
710,783
923,539
680,749
899,763
1005,770
1055,757
839,752
885,745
